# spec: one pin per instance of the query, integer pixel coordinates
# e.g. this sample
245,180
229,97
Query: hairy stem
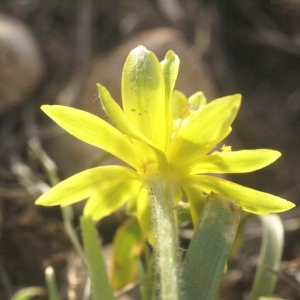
166,233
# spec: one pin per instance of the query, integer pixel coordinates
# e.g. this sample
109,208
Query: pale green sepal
204,130
93,130
117,116
208,251
269,257
197,201
84,184
235,162
128,244
105,201
143,95
101,289
196,101
251,200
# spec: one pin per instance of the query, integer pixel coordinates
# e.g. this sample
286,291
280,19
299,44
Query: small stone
21,65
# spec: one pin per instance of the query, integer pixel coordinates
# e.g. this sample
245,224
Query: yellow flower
162,136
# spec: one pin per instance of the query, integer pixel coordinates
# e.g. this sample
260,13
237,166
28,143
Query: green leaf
101,289
28,293
209,248
51,284
94,131
128,244
235,162
251,200
270,256
143,95
145,288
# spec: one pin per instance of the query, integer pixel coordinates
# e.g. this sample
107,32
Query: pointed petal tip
45,107
290,205
102,91
238,97
140,49
42,202
171,54
284,207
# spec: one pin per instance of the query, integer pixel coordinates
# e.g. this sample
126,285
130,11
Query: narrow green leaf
28,293
51,284
209,248
270,256
145,288
101,289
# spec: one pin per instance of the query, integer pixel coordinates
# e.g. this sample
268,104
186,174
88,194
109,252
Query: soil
252,48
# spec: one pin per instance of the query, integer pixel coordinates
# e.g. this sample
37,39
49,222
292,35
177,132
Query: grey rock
21,64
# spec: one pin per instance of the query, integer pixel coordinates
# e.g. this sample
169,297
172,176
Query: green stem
166,233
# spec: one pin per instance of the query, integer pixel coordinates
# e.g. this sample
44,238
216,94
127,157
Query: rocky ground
56,51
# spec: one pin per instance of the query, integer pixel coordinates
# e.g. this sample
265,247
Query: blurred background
54,52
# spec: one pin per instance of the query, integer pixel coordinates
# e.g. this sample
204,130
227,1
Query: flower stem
166,233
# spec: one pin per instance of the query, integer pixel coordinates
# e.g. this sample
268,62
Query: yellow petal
117,116
196,101
197,201
147,148
93,130
107,200
170,67
179,101
143,95
251,200
131,206
235,162
84,184
204,130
